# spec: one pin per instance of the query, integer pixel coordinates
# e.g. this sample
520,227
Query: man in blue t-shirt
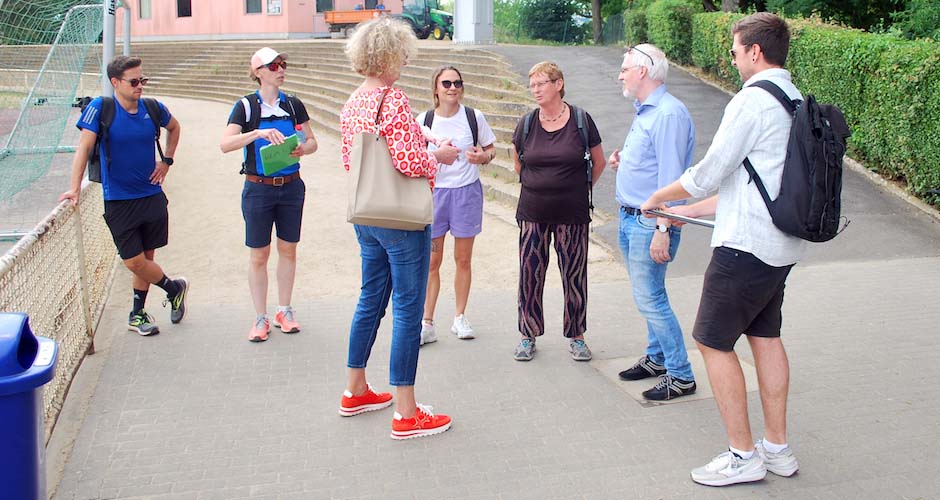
135,208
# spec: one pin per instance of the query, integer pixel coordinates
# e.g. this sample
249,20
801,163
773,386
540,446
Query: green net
46,46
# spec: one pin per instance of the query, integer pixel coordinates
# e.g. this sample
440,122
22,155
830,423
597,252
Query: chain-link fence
562,32
60,274
613,32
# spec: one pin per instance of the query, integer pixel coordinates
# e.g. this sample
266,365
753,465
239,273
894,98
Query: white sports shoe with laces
462,327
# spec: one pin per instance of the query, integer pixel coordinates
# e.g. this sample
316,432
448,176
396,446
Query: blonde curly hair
380,45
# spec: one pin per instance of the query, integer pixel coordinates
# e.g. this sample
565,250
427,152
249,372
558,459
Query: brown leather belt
272,181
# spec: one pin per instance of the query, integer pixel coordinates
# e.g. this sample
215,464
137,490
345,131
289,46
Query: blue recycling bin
27,362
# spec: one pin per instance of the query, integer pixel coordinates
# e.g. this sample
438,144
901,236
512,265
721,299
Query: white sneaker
728,468
427,332
462,327
782,464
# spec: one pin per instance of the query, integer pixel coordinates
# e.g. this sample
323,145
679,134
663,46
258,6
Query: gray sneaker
782,464
142,323
525,350
729,468
178,303
579,350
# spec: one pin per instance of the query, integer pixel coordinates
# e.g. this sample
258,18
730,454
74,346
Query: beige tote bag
379,195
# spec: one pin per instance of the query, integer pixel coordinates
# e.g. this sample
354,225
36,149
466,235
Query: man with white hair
657,150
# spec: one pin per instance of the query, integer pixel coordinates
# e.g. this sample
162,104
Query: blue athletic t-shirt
271,117
133,151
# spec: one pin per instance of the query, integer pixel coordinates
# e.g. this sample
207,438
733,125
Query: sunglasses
652,62
273,66
458,84
137,81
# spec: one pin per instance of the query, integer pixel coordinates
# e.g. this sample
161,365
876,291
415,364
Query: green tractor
427,20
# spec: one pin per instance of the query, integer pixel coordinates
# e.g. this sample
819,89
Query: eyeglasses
136,81
273,66
628,68
734,52
538,85
652,62
458,84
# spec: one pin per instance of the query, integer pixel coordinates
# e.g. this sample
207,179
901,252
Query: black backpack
254,121
810,199
471,119
582,131
106,117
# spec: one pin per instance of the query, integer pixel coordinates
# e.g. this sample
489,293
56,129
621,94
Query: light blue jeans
648,280
394,265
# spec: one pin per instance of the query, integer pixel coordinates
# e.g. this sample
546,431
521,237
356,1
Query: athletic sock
140,297
744,455
774,447
171,287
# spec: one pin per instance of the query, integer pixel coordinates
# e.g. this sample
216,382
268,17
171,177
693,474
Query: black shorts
741,295
265,207
138,225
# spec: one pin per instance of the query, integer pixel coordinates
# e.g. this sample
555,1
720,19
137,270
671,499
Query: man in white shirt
744,282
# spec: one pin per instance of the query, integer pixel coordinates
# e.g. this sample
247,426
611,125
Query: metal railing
60,275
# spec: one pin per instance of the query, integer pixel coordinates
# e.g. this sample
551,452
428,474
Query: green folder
277,157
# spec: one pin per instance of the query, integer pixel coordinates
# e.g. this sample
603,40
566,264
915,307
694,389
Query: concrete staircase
320,75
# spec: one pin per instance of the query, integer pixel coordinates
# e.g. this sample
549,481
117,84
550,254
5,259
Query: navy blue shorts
264,207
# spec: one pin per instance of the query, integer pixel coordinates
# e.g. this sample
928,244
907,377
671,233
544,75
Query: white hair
650,57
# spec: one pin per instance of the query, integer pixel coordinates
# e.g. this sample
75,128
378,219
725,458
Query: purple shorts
458,210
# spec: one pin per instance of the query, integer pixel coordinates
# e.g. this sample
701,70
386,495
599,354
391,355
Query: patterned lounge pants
571,246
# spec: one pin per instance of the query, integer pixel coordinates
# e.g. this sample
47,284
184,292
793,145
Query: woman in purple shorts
458,194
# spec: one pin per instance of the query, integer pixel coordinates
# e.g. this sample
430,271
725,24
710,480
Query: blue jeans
648,280
394,265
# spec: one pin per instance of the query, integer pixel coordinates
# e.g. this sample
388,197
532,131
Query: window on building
252,6
184,8
143,9
324,5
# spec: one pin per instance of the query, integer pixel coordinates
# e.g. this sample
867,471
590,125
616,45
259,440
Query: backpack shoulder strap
290,100
153,109
428,118
105,119
254,111
526,126
777,92
474,127
588,165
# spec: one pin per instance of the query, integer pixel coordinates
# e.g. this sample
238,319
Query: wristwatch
168,161
662,228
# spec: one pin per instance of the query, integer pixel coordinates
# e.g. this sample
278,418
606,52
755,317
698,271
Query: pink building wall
227,19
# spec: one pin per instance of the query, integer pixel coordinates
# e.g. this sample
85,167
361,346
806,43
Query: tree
862,14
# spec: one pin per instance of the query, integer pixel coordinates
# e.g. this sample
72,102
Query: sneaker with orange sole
368,401
259,330
285,321
424,423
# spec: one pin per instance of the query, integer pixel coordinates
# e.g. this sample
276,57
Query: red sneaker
424,423
285,321
368,401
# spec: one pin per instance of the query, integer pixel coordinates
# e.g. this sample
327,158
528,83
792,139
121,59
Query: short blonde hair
380,45
551,70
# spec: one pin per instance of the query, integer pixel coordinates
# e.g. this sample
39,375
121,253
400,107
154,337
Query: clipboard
276,157
688,220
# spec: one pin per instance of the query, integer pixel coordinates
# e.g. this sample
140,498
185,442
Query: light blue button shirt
657,149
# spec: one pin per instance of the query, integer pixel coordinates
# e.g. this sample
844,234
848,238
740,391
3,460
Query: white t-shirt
457,129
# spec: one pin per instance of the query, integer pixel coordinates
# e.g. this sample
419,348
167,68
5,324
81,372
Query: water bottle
301,136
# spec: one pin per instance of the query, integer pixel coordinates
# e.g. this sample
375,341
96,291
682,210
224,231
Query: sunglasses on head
272,66
137,81
458,84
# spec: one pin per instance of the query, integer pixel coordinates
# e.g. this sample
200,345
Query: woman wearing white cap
273,194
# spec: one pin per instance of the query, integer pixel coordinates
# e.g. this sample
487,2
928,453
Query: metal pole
127,28
107,45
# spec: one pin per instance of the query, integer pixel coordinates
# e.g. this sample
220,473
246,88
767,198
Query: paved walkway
198,412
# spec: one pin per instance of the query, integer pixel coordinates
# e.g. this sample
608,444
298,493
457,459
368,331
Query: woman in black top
554,203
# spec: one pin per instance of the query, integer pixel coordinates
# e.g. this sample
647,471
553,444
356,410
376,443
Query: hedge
888,88
669,23
634,27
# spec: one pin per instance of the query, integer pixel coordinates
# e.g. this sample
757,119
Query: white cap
264,56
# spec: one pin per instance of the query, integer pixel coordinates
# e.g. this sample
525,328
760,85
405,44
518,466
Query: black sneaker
178,303
644,368
670,387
